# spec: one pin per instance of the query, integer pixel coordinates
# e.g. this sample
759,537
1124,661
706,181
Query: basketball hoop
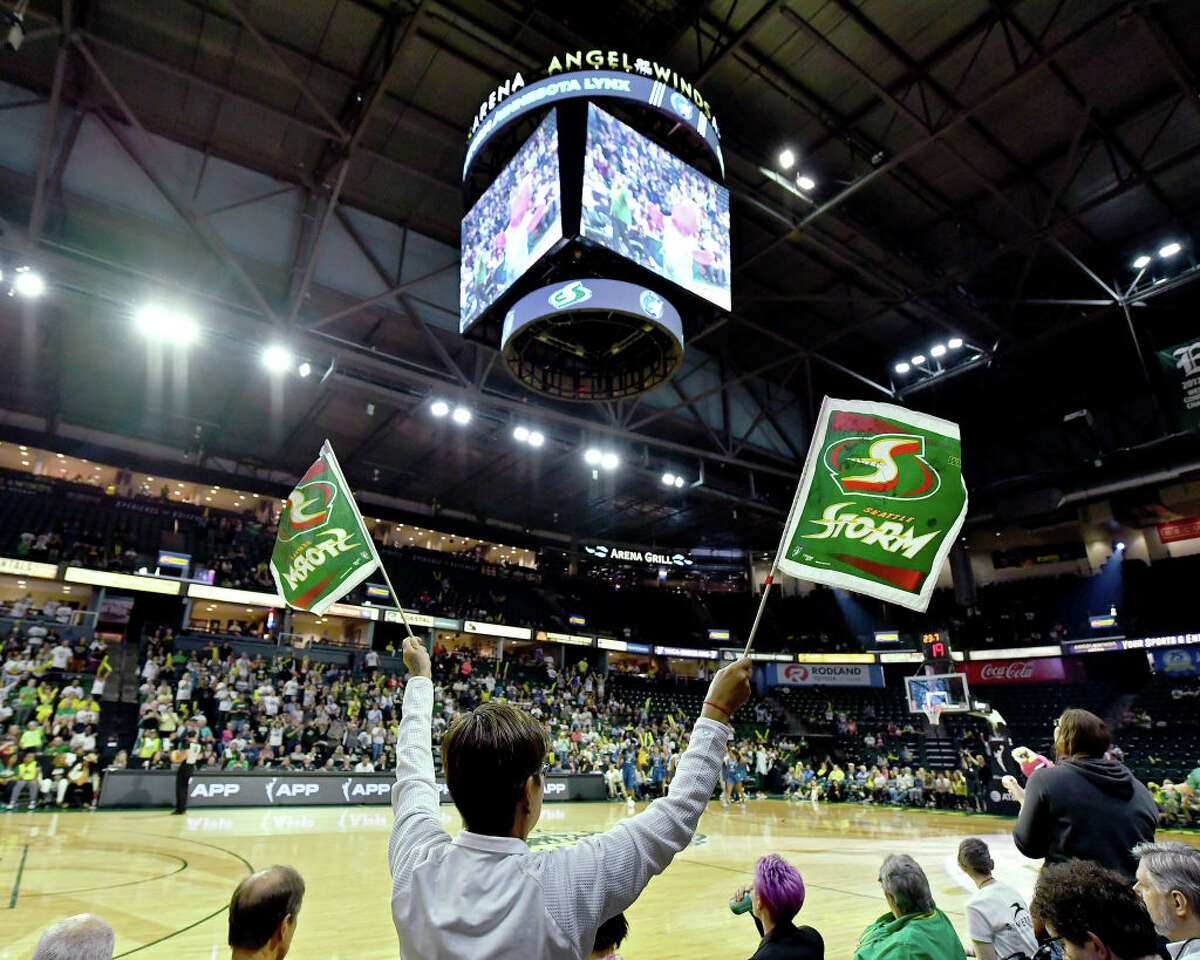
933,713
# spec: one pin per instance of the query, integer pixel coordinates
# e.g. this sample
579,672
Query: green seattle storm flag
323,550
880,502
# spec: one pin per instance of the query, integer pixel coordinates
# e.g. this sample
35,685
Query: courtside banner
323,549
824,675
880,502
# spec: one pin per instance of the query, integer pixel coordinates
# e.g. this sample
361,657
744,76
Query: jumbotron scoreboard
596,232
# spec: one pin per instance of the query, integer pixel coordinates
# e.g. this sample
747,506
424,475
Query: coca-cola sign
1033,670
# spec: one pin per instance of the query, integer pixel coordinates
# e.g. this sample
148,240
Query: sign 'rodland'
880,502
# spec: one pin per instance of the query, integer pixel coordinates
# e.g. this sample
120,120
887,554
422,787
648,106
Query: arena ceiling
983,169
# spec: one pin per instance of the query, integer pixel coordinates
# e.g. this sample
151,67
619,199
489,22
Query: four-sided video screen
516,221
646,204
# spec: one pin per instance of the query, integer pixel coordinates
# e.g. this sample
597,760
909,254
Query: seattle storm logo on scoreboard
892,467
569,295
651,304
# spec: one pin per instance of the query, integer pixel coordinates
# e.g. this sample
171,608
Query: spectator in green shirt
914,929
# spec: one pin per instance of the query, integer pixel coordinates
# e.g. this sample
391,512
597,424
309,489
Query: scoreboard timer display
936,646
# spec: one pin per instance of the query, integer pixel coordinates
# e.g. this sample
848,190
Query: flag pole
395,598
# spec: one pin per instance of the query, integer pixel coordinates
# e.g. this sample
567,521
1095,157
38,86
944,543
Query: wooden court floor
164,882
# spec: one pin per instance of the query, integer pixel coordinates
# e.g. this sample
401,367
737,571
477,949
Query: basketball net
933,713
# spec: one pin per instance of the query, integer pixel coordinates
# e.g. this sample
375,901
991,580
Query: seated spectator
610,936
776,896
1168,881
1093,912
998,920
263,912
81,937
483,894
914,929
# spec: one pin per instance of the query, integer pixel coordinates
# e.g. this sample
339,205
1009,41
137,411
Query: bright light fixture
918,359
1169,250
937,350
592,456
304,369
610,461
787,159
1142,262
461,416
521,433
277,358
902,367
29,284
439,408
805,182
1120,544
955,343
159,323
536,438
668,479
679,481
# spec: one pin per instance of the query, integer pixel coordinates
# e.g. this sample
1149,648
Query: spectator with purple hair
776,896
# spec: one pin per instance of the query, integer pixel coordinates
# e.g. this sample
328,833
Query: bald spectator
1091,911
82,937
263,912
1168,881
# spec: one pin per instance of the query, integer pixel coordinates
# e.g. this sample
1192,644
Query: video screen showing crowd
516,221
649,206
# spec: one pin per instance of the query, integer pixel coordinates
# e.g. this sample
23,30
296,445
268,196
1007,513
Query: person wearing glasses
1092,913
484,893
1086,807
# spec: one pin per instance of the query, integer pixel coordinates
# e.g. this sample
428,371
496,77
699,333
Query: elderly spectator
914,929
776,896
1168,881
1093,912
81,937
1086,807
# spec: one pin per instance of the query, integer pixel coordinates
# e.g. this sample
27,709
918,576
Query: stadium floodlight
159,323
29,284
521,434
679,481
461,416
1169,249
536,438
610,461
918,359
592,456
902,367
805,182
304,369
668,479
1120,545
439,408
787,159
1142,262
955,343
277,358
937,350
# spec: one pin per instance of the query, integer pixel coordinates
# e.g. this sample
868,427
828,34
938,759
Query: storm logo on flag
307,509
892,467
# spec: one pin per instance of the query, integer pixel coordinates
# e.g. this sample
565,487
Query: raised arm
586,884
415,800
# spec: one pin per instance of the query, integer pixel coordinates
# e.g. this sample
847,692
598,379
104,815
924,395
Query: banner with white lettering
824,675
880,502
1181,370
323,549
1033,670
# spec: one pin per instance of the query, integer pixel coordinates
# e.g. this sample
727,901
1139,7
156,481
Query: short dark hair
260,903
974,855
1083,734
612,931
487,755
1080,897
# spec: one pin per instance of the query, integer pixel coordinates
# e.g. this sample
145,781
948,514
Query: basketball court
164,881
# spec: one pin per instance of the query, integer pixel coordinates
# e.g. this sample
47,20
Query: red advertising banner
1033,670
1179,530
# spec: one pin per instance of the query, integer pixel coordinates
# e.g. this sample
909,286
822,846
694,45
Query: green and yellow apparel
8,773
838,774
43,712
26,697
46,693
27,771
33,739
914,936
150,746
65,708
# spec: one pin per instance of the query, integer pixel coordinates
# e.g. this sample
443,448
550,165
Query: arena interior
564,286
